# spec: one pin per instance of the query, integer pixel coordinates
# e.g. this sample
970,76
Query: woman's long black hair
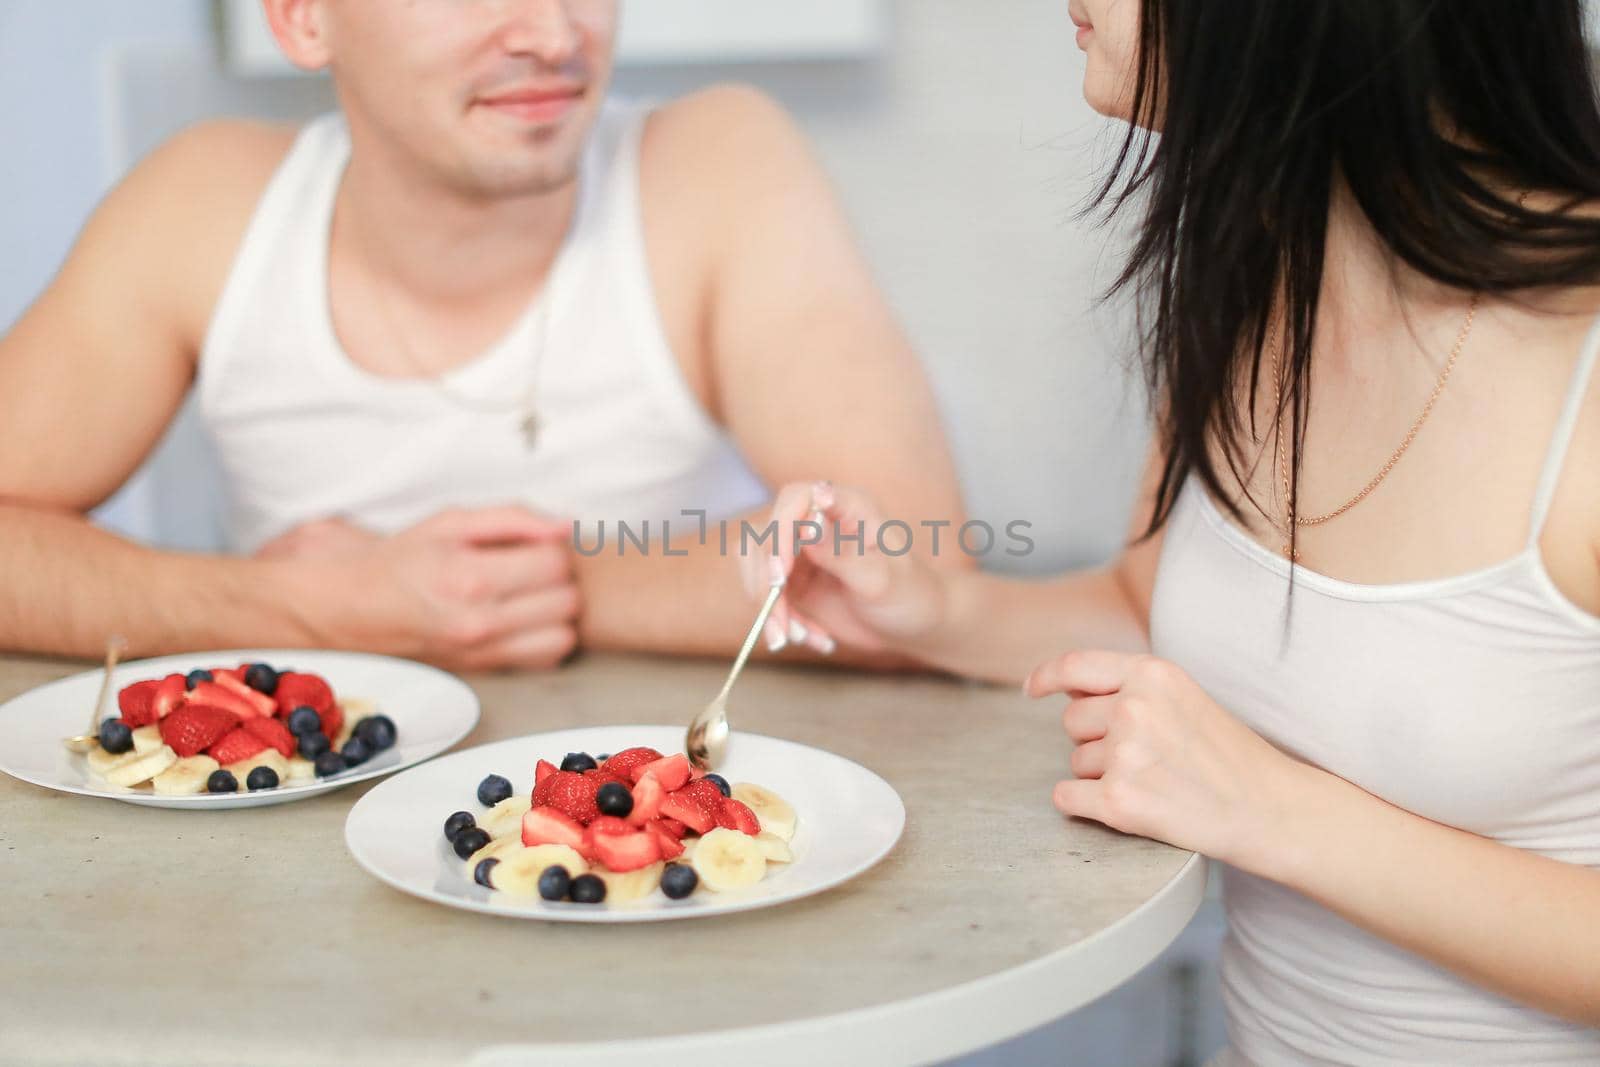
1436,114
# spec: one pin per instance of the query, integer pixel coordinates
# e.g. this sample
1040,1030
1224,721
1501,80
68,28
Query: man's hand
469,589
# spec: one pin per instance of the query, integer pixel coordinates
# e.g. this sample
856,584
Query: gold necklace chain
1394,458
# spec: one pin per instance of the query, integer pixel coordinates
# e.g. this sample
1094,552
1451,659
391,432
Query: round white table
142,935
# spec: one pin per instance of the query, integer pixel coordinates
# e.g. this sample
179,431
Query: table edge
932,1026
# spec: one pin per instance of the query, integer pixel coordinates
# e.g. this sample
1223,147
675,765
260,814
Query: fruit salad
617,828
226,729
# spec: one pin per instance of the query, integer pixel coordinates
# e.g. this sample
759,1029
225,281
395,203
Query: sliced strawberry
695,805
671,771
671,848
193,728
736,815
542,770
601,776
137,703
671,826
295,688
236,745
170,694
274,733
220,696
264,704
626,852
628,759
571,793
609,824
547,826
647,798
236,673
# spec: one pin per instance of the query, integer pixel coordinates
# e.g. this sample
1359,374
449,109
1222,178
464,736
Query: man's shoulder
227,162
177,218
711,126
710,160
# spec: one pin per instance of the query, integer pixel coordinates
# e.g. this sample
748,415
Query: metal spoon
707,738
84,742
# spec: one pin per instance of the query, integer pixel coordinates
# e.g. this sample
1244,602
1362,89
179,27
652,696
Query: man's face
492,97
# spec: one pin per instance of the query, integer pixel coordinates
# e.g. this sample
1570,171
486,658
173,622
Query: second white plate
431,710
849,819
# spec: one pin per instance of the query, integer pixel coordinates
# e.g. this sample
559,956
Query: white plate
431,710
849,819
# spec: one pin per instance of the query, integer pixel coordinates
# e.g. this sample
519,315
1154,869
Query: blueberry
678,880
578,761
457,822
554,882
194,678
304,720
261,678
721,783
602,757
314,744
470,840
492,790
377,731
329,763
355,752
587,889
614,799
262,778
115,736
222,781
480,873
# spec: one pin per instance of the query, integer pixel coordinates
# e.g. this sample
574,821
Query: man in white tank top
428,333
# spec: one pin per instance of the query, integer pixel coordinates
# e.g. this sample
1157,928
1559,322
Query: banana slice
776,816
185,777
267,757
774,848
147,738
627,886
355,709
100,761
689,845
517,873
301,769
498,848
142,768
728,859
506,817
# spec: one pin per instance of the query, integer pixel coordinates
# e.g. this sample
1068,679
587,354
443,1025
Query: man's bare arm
793,328
92,375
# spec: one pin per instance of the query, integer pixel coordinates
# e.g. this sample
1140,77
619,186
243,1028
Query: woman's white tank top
304,433
1473,701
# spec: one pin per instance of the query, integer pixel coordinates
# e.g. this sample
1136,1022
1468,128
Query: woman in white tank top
1368,561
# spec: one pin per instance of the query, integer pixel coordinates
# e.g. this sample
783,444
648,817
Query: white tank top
1473,701
303,432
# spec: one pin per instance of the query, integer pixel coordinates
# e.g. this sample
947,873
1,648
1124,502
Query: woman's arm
1156,756
1522,924
970,623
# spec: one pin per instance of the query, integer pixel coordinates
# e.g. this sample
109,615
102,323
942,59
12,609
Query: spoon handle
750,639
114,646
